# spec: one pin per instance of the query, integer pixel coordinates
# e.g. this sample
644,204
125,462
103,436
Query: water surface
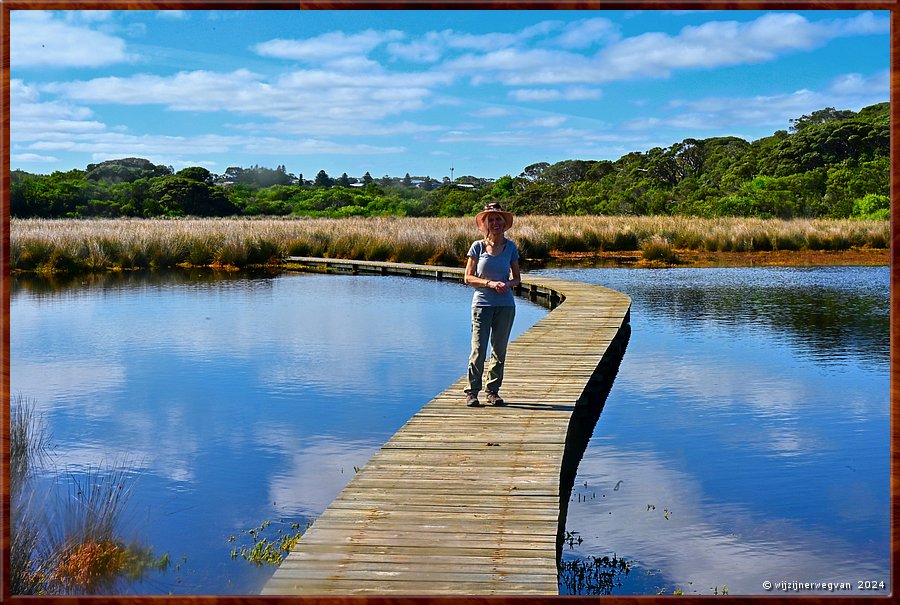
238,399
745,439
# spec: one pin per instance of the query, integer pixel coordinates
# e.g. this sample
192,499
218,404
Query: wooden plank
465,500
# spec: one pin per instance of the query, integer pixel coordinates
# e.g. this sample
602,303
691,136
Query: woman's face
495,223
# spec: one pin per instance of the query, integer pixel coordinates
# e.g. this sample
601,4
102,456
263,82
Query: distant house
357,184
465,185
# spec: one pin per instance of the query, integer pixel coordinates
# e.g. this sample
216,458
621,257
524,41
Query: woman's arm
514,274
470,279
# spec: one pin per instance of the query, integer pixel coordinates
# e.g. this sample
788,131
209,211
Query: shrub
658,249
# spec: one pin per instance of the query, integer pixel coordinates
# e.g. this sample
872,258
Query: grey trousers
489,324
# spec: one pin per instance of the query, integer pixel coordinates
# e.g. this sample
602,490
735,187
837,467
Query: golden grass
99,244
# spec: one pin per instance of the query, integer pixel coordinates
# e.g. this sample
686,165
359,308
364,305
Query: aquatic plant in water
264,551
78,550
593,575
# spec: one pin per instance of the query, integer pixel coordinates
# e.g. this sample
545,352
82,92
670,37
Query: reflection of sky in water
239,400
771,460
751,404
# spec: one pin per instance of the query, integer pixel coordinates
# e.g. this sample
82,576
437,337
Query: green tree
125,170
829,114
179,196
323,180
196,173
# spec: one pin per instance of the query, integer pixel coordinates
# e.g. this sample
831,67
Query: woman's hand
498,286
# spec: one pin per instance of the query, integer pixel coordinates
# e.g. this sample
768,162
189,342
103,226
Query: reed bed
85,245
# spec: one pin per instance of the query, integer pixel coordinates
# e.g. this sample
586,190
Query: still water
745,439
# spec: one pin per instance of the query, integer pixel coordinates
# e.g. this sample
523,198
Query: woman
492,268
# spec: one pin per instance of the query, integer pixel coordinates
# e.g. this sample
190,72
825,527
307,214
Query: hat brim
507,217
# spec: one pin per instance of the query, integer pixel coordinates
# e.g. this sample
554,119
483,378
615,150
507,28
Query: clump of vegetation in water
80,549
593,575
264,551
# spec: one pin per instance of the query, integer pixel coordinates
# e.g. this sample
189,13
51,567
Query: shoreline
856,257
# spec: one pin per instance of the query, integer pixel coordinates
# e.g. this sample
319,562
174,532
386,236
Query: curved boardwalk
465,500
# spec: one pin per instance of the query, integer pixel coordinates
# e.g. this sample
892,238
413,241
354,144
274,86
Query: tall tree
323,180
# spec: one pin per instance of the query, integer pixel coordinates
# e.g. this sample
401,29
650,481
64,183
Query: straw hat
493,208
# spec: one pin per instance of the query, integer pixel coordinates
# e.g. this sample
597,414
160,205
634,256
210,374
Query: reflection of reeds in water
593,575
72,547
85,245
28,440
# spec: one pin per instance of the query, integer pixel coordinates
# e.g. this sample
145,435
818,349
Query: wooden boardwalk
465,500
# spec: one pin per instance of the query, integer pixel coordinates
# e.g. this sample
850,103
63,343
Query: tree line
830,164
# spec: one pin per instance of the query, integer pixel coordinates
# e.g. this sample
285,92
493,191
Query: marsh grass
658,249
28,445
85,245
73,545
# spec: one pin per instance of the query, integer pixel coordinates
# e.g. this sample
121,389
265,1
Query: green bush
872,206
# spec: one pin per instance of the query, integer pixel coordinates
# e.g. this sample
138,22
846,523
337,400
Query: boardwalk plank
465,500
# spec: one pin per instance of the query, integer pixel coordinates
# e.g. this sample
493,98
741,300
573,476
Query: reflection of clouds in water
319,468
776,398
701,542
161,443
719,386
731,388
86,380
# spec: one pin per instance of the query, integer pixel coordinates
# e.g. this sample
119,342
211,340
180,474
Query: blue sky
394,92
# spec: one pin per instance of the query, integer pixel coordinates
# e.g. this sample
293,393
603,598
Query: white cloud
427,49
174,15
324,101
656,54
849,91
31,118
517,67
40,39
491,112
540,95
589,32
722,43
88,16
545,122
435,44
326,46
193,90
32,157
858,84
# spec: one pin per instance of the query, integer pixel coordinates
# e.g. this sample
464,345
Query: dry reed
95,244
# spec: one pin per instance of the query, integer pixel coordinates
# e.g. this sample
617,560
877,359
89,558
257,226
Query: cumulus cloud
859,84
41,39
588,33
849,91
32,158
326,46
721,43
652,54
